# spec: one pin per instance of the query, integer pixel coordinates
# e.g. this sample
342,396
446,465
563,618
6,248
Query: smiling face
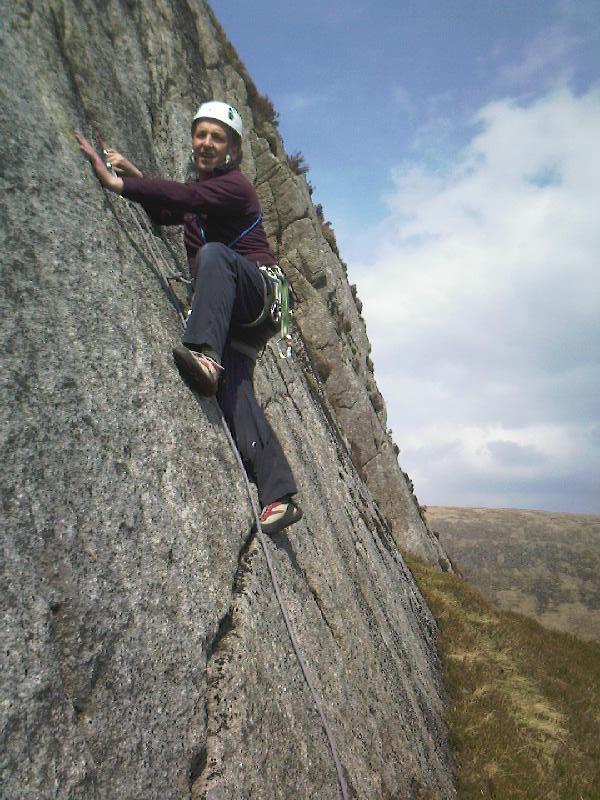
211,144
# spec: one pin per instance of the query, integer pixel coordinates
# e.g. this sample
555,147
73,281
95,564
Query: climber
225,243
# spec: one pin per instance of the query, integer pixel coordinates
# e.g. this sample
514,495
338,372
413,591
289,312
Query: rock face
144,654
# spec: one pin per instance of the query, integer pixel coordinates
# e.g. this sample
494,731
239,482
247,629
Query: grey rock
144,654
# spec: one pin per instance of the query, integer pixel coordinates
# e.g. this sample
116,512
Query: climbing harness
238,238
277,303
282,313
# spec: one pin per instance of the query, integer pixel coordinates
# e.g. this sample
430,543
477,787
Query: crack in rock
206,766
319,603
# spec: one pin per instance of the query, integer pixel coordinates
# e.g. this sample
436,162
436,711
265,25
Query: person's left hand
106,178
120,164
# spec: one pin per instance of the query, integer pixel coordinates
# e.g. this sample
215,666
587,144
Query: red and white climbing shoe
279,515
202,371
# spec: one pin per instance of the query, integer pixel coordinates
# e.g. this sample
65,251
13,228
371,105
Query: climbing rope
286,617
160,263
167,274
145,228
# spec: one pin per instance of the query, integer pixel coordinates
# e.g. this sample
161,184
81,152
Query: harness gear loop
277,305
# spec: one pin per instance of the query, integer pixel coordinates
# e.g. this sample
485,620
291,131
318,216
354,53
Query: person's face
210,144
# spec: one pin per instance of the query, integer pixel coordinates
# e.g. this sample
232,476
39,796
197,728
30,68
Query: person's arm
223,194
117,162
111,182
121,165
163,216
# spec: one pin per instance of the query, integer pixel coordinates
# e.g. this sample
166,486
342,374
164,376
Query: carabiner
286,350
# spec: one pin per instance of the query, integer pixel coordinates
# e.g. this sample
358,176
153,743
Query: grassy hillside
524,700
546,565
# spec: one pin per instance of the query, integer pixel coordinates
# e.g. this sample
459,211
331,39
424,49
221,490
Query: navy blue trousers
228,290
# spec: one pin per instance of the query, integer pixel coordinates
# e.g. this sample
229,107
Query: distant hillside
543,564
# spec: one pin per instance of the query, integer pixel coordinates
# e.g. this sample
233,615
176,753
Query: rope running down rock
167,274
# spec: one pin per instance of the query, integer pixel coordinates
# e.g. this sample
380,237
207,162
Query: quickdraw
281,312
277,306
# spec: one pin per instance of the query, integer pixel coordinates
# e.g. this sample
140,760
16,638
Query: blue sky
456,149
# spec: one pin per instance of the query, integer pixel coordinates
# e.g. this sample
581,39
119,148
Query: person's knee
215,254
214,262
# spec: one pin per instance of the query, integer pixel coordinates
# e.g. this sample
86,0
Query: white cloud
403,100
540,466
482,303
542,60
298,101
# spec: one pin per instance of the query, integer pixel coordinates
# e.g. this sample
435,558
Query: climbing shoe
279,515
201,370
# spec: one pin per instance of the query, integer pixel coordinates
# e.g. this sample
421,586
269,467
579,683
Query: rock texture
144,654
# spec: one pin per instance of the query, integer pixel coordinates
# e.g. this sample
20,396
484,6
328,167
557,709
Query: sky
455,147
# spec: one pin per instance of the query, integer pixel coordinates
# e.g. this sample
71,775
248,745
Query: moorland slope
543,564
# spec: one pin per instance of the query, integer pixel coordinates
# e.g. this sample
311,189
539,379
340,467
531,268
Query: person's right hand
120,164
108,179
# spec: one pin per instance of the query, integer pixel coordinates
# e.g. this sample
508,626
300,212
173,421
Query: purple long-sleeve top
222,206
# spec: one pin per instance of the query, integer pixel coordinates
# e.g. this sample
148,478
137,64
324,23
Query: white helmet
222,112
